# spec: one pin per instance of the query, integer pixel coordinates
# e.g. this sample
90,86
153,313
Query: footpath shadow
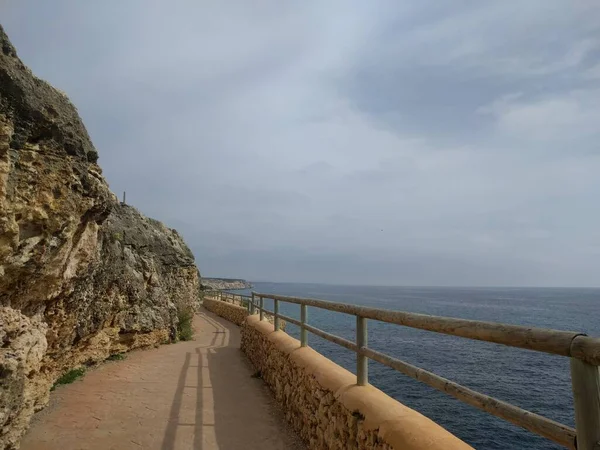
197,360
246,415
171,432
232,410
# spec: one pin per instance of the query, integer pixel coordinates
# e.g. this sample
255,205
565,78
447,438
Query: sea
532,380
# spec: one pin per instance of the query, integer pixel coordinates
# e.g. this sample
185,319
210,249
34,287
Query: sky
345,142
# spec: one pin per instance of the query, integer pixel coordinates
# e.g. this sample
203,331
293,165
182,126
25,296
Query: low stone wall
325,406
233,313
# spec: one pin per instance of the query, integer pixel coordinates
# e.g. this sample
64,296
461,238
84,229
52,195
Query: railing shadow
220,339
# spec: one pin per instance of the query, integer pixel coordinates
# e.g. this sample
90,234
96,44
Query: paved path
190,395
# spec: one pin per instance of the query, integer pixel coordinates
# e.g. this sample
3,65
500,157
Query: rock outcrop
81,276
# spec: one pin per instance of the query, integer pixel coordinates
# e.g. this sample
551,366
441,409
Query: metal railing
584,352
228,297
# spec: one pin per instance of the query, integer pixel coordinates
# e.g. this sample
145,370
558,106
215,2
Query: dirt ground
191,395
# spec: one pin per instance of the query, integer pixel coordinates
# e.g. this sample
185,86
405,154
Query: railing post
252,304
276,312
362,362
585,379
303,331
262,308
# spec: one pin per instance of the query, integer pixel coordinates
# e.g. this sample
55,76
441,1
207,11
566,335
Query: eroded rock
22,385
81,276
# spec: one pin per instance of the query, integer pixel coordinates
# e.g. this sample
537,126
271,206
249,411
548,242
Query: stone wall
233,313
325,406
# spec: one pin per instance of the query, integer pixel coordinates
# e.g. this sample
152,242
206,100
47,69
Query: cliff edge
225,284
81,276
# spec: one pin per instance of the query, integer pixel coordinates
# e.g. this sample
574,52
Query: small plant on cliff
69,377
116,357
185,330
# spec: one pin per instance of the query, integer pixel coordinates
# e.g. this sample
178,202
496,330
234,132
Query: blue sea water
535,381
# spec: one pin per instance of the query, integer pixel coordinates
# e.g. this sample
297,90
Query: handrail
240,299
583,350
564,343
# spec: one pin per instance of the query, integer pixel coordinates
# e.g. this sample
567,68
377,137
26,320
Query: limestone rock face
22,349
81,276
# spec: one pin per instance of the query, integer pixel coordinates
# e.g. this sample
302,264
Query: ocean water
531,380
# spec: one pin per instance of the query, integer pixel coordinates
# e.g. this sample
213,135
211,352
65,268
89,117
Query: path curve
192,395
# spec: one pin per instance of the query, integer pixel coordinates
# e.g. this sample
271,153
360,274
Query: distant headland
225,283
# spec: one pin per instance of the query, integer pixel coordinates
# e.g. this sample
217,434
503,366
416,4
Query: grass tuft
116,357
69,377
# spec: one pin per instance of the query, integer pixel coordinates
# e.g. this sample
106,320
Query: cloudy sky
420,143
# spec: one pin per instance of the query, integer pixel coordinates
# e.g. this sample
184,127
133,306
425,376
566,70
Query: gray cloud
349,143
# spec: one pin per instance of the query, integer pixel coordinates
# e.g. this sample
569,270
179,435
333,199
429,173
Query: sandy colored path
190,395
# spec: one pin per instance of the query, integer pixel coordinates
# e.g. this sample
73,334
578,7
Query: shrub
185,330
69,377
116,357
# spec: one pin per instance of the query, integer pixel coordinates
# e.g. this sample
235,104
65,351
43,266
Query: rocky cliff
225,284
81,276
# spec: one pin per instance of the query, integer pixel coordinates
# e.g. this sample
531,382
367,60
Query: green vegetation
69,377
116,357
117,237
185,330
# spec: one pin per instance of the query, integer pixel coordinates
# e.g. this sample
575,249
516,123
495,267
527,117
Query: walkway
151,400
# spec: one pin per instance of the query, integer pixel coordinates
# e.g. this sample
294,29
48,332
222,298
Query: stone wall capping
326,407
